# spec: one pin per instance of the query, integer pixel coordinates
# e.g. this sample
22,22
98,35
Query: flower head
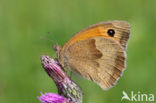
66,87
53,98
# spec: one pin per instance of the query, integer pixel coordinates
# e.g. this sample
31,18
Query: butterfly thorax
58,50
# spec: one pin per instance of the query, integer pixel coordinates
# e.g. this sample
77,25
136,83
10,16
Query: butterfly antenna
53,40
46,38
53,36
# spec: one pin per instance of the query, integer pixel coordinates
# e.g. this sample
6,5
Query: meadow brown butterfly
97,52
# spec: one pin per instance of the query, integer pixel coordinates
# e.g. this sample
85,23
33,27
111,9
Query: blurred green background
24,37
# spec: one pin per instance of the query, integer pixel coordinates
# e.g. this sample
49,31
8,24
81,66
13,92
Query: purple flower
53,98
69,92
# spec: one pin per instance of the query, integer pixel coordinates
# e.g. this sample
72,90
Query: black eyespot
111,32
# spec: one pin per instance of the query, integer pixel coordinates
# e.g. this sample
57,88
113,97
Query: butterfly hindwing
99,59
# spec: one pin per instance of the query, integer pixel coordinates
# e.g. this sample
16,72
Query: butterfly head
57,49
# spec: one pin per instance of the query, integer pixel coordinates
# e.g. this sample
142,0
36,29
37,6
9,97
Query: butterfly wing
99,59
121,28
96,55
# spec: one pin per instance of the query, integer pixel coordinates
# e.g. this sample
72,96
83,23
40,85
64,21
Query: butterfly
97,53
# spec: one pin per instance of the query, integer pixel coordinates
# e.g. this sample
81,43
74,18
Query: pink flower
53,98
69,92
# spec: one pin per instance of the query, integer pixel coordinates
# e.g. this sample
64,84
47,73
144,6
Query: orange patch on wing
97,31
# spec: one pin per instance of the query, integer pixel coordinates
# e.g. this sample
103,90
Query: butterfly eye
111,32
